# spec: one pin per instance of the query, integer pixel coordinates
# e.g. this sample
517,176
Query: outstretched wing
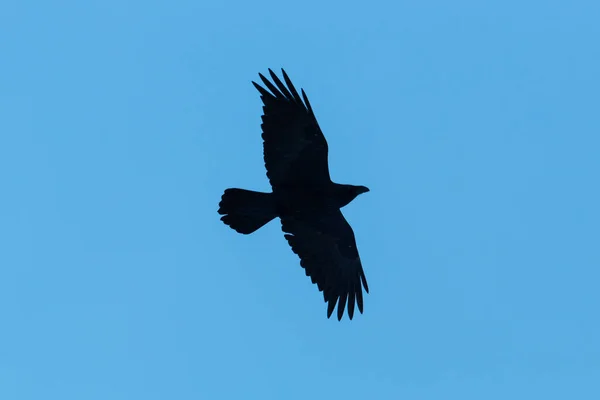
295,150
328,253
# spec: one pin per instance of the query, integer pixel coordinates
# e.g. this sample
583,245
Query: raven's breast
300,200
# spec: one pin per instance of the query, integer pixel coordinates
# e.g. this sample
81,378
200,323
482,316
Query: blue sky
475,125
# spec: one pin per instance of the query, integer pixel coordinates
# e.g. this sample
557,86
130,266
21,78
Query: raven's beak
364,189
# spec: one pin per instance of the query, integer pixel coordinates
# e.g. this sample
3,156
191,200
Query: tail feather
246,211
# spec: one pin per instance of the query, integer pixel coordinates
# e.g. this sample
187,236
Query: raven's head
347,193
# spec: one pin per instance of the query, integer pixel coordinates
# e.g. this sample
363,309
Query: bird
303,197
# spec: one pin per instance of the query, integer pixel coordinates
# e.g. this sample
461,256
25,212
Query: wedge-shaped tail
246,211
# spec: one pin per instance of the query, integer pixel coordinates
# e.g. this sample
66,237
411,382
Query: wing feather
294,148
327,249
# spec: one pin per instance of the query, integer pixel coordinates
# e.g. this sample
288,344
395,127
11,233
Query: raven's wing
327,249
295,150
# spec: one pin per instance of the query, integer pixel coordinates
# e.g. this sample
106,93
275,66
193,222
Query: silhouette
304,197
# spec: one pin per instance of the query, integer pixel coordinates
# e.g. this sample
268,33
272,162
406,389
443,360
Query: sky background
475,124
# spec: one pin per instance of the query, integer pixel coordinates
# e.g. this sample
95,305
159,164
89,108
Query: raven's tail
245,210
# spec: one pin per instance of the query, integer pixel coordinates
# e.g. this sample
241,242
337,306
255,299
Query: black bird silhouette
304,197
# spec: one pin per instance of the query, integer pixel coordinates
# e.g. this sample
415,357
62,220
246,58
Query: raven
303,197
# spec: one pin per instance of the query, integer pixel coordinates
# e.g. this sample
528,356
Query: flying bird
303,196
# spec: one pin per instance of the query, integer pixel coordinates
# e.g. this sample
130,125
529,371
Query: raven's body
326,198
304,198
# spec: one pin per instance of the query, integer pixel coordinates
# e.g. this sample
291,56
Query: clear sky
475,124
